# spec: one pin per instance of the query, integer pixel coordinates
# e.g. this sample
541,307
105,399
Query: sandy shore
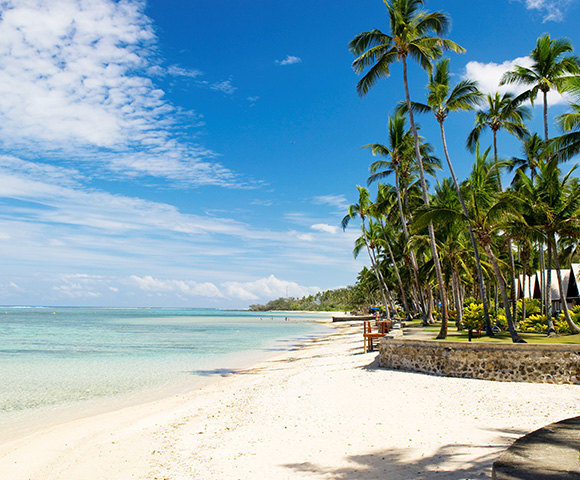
323,411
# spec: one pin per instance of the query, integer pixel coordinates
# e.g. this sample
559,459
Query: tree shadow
445,464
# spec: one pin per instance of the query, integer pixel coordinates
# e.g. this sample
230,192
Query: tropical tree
488,215
361,209
442,99
552,203
414,33
548,71
533,151
400,161
504,112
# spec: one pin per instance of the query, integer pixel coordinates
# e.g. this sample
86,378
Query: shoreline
319,410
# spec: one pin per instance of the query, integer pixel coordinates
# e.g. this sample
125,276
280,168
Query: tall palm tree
442,99
400,162
415,33
503,113
386,199
549,69
361,209
553,202
487,215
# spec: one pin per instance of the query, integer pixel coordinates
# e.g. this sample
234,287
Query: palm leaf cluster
431,250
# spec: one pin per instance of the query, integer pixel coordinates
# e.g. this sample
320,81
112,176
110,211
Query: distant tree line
340,299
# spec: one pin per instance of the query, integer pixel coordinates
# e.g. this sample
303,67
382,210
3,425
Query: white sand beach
323,411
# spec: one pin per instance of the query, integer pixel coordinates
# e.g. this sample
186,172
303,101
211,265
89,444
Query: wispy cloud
339,202
224,86
75,82
323,227
289,60
551,10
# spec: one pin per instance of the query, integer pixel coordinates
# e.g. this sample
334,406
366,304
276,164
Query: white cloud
225,87
266,288
488,76
289,60
323,227
263,288
74,82
552,10
189,288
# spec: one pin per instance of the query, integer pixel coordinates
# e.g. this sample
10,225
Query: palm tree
503,113
441,100
411,35
361,209
400,162
386,198
549,70
487,215
533,149
553,204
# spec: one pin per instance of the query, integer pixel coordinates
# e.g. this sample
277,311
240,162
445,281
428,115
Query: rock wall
500,362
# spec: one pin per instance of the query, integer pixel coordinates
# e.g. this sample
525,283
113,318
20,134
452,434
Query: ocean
59,363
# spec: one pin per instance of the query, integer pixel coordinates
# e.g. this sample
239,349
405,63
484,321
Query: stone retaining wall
488,361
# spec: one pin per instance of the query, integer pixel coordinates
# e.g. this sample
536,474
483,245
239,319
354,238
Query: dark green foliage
341,299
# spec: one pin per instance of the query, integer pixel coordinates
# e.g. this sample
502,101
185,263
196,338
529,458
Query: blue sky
202,153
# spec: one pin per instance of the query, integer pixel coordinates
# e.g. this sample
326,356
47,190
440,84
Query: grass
503,337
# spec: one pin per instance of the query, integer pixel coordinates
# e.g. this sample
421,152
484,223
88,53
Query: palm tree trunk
551,329
374,266
513,305
546,137
573,327
414,266
487,321
399,281
502,288
440,282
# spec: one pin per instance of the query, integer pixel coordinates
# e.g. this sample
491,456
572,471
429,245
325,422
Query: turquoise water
60,358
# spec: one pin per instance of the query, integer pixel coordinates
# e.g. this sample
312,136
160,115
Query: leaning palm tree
442,99
549,71
361,209
415,33
487,215
503,113
399,160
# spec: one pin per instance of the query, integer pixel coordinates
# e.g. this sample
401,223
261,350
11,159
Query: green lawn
502,337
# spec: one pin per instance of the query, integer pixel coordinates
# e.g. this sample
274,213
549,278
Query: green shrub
473,316
533,307
534,324
562,325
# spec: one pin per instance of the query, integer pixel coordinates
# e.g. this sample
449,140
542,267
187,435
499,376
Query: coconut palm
361,209
503,113
549,70
533,150
487,215
568,145
552,203
414,33
400,162
442,99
